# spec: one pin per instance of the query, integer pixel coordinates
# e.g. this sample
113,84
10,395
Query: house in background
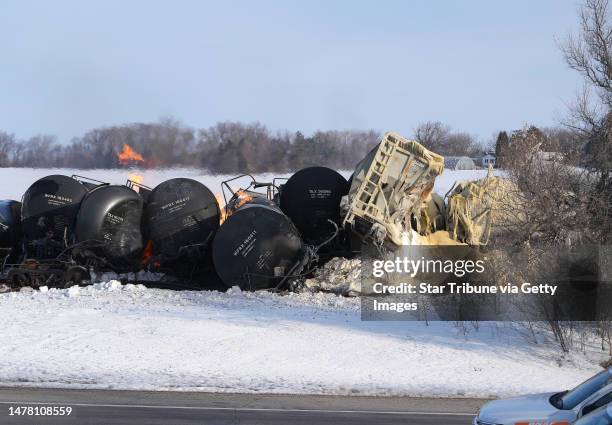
488,159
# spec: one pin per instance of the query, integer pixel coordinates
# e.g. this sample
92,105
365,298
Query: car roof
606,389
609,384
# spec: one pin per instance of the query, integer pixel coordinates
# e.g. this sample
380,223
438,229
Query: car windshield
600,416
572,398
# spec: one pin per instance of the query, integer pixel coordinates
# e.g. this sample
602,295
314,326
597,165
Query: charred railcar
108,228
257,247
180,221
48,215
10,231
311,199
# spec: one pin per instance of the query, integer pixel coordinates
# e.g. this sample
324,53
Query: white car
551,408
601,416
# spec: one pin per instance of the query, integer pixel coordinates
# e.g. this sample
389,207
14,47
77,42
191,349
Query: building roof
459,163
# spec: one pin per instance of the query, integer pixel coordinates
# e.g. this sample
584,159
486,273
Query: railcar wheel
19,279
75,275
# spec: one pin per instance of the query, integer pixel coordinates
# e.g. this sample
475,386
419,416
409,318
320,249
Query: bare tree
7,148
439,138
461,144
590,53
433,135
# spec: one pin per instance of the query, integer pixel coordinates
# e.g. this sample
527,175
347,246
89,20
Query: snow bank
117,336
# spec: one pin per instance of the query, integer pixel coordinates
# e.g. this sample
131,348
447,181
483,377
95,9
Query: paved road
105,407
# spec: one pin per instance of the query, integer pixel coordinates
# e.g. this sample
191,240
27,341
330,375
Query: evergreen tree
501,146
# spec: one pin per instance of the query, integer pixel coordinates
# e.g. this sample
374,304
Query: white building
488,158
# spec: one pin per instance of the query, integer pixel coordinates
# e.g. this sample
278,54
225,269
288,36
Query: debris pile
478,209
339,275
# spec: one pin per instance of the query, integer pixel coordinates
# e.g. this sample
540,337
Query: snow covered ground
15,181
129,337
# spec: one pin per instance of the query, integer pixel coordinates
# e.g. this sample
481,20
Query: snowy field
129,337
15,181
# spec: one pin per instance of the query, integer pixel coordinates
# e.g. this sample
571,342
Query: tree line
232,147
226,147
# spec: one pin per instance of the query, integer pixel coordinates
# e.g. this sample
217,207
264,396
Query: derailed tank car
108,228
311,199
180,221
48,215
257,247
10,231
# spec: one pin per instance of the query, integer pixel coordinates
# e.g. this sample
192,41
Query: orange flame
147,253
242,198
128,155
136,178
223,213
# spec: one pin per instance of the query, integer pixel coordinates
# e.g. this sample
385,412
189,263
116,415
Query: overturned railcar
389,187
108,228
48,215
311,199
10,231
257,247
180,221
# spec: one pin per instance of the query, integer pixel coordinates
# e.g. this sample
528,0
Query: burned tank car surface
258,246
48,215
181,218
10,231
310,198
108,228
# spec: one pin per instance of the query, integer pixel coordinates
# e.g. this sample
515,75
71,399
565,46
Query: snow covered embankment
128,337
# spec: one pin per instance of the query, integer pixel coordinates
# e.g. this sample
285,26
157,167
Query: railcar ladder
393,184
363,205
